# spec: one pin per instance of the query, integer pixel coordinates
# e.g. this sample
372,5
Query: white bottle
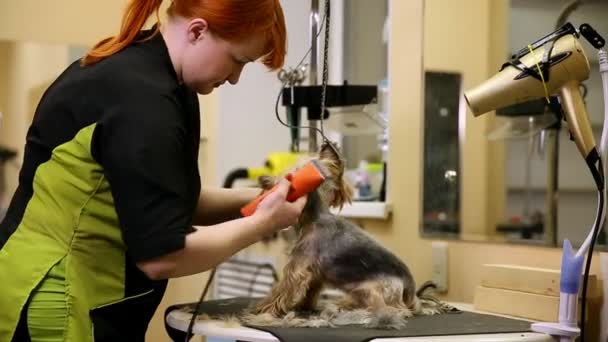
363,185
383,116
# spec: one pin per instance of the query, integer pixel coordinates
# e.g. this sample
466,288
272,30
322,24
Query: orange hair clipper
305,180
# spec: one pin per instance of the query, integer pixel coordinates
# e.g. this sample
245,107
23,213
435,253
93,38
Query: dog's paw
266,308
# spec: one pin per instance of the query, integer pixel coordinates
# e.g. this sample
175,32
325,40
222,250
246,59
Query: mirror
363,130
441,153
498,177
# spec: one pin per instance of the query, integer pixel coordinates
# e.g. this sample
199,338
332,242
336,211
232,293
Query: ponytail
134,18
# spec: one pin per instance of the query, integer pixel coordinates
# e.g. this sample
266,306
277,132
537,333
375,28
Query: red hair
234,20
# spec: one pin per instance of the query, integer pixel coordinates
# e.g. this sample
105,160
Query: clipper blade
323,171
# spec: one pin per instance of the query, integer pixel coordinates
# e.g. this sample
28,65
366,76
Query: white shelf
375,210
566,189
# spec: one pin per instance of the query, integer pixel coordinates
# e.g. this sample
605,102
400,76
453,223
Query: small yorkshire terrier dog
331,252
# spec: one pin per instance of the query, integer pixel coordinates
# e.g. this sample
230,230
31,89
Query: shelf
563,190
374,210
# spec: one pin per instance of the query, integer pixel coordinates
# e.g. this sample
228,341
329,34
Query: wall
4,69
31,67
60,21
38,52
4,86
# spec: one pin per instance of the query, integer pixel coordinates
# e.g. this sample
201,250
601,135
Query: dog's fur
379,290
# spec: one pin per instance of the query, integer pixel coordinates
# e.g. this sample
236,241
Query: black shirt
146,140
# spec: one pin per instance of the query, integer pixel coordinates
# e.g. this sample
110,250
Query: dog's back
349,256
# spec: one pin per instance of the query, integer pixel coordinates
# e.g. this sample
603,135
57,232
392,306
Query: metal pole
312,77
550,231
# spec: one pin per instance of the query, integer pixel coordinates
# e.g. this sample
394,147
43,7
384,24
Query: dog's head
335,190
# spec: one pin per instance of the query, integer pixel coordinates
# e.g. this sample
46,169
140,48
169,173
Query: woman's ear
197,30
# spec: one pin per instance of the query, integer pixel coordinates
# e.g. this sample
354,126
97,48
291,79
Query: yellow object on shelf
277,164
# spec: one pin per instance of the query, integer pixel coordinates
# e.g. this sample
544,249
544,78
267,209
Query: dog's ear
341,191
342,194
330,157
266,182
328,151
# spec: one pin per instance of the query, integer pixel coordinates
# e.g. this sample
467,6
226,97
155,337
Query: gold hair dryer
556,65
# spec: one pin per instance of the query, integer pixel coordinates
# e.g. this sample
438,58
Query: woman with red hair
109,191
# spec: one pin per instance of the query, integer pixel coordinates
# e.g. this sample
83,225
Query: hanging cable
324,26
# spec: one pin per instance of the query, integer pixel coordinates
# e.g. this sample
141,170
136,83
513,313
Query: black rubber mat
458,323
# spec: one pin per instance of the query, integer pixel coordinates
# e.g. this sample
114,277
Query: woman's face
208,61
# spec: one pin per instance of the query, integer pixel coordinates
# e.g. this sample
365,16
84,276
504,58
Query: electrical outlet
440,265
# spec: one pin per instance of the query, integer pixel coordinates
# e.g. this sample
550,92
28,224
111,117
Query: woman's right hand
275,212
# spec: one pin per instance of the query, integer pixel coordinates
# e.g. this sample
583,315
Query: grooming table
466,325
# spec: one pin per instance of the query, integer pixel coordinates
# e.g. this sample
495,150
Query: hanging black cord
276,105
596,230
198,306
325,76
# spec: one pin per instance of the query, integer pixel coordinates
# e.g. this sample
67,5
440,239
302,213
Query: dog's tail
426,303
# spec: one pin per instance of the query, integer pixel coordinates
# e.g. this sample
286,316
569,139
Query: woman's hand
276,212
